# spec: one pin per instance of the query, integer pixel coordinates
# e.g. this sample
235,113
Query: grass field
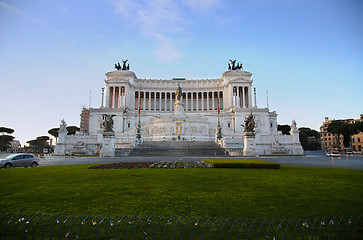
285,193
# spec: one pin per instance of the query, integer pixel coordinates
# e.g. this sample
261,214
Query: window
128,125
229,125
358,139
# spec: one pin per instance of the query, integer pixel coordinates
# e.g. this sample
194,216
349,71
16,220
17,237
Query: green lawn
285,193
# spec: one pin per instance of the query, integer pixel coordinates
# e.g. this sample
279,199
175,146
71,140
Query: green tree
309,139
338,127
285,129
356,127
39,144
5,138
72,130
6,130
54,132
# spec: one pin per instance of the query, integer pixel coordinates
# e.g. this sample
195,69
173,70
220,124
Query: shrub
221,163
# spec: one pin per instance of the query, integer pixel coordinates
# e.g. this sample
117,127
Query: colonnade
164,101
241,97
117,97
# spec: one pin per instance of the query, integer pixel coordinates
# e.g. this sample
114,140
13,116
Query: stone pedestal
108,145
249,149
179,108
60,149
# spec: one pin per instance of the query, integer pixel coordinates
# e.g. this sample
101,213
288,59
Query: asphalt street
311,158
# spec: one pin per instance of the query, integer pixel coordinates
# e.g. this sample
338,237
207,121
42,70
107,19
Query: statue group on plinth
178,105
249,146
108,146
249,123
108,123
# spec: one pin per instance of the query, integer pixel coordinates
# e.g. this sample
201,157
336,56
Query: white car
19,160
335,154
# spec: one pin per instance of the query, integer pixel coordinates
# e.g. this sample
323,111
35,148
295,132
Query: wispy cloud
165,50
166,21
19,12
202,6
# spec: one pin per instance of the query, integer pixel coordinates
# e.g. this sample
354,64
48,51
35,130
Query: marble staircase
178,148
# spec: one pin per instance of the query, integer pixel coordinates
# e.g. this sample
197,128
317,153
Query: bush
221,163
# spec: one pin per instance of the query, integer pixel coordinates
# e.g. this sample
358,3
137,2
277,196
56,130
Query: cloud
64,10
165,50
17,11
202,6
166,21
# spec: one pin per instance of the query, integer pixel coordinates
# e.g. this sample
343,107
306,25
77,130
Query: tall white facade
125,96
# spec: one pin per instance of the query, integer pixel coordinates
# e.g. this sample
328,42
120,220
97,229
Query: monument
199,110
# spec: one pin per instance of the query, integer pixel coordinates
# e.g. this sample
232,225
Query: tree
72,130
5,140
356,127
285,129
54,132
338,127
309,139
39,144
6,130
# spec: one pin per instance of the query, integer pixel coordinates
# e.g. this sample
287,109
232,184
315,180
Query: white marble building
195,119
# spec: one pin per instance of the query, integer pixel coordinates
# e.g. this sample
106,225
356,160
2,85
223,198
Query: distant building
84,125
15,146
330,141
357,142
357,139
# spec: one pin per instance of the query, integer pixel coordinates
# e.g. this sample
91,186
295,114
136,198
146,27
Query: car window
28,156
18,157
10,156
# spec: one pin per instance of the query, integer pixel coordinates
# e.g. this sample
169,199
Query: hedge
221,163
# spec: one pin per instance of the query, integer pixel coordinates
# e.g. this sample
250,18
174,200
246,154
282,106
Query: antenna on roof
267,98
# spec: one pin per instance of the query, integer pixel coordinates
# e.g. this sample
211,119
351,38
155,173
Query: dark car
19,160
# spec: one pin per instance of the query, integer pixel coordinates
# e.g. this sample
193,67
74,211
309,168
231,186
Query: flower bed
163,164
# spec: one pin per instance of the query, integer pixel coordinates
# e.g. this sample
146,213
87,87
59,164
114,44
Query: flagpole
139,102
218,101
219,129
138,134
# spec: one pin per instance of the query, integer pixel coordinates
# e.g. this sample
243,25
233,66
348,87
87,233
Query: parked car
19,160
349,151
335,153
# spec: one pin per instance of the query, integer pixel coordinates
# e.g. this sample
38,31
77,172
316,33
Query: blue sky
308,54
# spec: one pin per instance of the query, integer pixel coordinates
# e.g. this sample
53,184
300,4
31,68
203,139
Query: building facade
203,105
357,142
331,141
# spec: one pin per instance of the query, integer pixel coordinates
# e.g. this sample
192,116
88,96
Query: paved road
311,158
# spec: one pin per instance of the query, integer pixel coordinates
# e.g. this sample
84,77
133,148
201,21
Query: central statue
178,105
179,93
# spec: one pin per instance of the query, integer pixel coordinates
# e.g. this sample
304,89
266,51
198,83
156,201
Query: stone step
178,148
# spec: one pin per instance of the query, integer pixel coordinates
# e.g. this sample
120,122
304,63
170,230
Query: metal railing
24,226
